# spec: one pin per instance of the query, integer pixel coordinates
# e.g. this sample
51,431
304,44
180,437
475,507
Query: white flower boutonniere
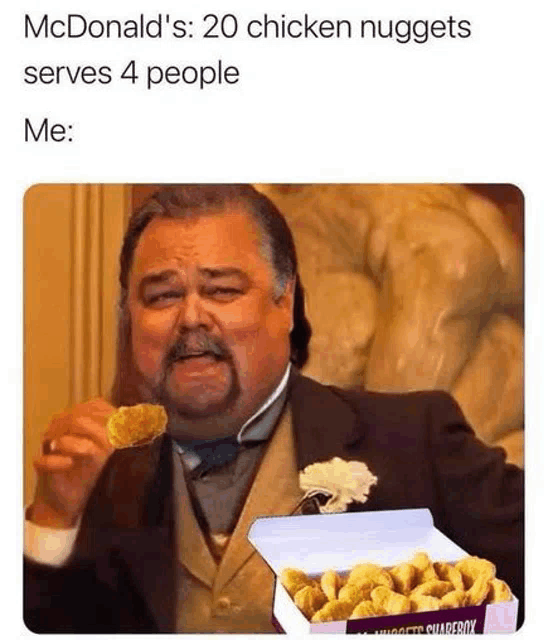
341,481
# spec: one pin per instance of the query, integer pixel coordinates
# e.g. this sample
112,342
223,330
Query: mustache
197,343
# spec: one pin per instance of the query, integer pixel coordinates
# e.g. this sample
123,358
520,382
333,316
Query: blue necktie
215,453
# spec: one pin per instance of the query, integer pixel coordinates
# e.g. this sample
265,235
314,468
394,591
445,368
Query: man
211,316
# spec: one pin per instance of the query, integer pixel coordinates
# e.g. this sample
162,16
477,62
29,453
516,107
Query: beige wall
72,236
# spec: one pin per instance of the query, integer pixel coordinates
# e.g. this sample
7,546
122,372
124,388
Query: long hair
193,201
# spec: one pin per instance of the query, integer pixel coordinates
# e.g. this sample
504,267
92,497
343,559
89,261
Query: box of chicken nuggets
378,572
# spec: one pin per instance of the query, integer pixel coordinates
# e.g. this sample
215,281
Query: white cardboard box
315,543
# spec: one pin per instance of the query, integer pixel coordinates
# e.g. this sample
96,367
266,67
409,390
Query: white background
471,110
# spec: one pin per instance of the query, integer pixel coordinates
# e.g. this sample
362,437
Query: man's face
208,336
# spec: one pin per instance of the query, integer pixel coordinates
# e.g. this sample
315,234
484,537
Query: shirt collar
252,428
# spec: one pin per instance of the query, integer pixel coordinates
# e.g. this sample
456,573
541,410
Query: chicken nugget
421,560
369,574
499,591
365,609
333,610
425,569
436,588
478,592
424,603
396,603
380,594
473,568
293,580
450,574
309,600
404,576
354,593
454,599
136,425
330,584
363,572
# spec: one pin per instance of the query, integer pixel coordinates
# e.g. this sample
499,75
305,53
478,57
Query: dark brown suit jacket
121,576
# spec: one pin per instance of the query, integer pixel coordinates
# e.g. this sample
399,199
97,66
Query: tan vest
235,593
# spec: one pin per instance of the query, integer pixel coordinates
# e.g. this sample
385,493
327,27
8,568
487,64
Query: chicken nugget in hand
135,426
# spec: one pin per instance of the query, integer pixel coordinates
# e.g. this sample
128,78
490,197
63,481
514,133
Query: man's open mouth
201,350
199,354
197,363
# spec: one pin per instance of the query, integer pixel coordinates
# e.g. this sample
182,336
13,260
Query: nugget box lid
315,543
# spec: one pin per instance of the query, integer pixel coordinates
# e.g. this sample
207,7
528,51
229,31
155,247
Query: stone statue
414,287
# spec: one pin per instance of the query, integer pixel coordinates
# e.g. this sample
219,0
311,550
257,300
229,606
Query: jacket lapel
133,515
325,425
275,491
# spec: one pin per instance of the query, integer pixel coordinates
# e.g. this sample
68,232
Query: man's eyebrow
219,272
157,278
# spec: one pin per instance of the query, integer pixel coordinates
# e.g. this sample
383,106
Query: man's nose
192,313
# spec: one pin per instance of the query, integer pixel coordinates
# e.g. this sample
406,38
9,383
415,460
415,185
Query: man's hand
75,452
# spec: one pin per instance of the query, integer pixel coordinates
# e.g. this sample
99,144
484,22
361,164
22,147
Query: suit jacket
122,575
